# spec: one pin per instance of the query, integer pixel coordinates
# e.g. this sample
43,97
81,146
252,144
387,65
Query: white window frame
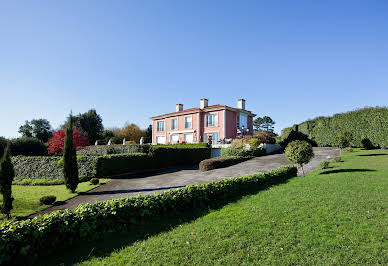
156,139
158,128
192,136
172,136
177,123
191,127
215,123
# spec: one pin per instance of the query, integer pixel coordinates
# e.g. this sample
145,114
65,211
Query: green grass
27,197
332,216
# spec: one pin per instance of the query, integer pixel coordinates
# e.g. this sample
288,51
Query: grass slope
332,216
27,197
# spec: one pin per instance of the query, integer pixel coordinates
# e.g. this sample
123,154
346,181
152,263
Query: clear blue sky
130,60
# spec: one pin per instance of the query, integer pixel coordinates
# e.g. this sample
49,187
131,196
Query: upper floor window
174,123
188,122
160,126
212,120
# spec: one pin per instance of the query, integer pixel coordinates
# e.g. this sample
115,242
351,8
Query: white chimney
179,107
241,104
204,103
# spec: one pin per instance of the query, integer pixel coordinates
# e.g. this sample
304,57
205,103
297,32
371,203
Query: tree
7,173
38,128
130,132
148,135
70,166
264,124
299,152
107,135
56,143
265,137
342,139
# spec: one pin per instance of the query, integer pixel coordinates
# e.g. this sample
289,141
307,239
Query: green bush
38,182
265,137
28,147
324,165
242,152
219,162
337,159
94,181
370,123
47,200
22,242
367,144
342,139
100,150
299,152
254,143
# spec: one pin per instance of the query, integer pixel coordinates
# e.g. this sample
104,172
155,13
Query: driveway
143,184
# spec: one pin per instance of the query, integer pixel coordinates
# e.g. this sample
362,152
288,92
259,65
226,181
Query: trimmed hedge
242,152
22,241
220,162
24,146
368,123
100,150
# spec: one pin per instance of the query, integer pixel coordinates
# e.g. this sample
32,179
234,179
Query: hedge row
23,241
242,152
220,162
24,146
50,167
367,123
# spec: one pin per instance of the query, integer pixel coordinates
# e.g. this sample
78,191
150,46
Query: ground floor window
174,138
188,138
214,136
160,140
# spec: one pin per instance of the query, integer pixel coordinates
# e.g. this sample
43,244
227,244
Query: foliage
23,241
324,164
254,143
299,152
219,162
38,182
70,166
37,128
183,146
367,144
106,136
337,159
238,143
56,142
295,135
7,174
370,123
342,139
47,200
348,149
265,137
148,134
113,149
28,147
94,181
242,152
130,132
264,124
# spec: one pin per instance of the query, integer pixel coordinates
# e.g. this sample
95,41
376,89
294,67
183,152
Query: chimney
179,107
241,104
204,103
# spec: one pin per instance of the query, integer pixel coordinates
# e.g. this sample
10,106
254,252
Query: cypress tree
70,166
7,173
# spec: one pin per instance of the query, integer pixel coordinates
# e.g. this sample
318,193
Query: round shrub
299,152
94,181
265,137
324,165
254,142
28,147
238,143
337,159
47,200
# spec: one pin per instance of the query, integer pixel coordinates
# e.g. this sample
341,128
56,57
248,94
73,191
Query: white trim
181,131
184,121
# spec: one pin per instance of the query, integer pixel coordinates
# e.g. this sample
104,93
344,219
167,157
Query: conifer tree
70,166
7,173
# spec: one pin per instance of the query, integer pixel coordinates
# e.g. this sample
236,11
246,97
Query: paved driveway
150,183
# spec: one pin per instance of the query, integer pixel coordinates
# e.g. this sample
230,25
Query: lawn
27,197
333,216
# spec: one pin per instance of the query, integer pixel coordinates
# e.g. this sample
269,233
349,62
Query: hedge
242,152
24,146
100,150
368,123
22,241
220,162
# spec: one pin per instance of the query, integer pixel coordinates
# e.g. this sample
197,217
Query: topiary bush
299,152
219,162
337,159
242,152
94,181
22,242
47,200
28,147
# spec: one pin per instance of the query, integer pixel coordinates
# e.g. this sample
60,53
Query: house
218,122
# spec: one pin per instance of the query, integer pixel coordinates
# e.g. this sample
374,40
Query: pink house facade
194,125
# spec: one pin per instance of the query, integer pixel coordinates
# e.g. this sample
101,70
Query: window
174,123
160,140
212,120
160,126
174,138
188,122
244,121
188,138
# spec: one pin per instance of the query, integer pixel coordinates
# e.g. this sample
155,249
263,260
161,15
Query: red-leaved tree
56,142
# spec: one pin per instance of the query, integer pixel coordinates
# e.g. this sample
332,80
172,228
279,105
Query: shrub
342,139
337,159
38,182
219,162
367,144
56,143
95,181
324,164
254,143
299,152
113,149
238,143
70,165
265,137
242,152
28,147
47,200
21,242
7,173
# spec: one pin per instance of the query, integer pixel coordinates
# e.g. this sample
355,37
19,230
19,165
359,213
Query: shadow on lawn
83,250
346,171
374,154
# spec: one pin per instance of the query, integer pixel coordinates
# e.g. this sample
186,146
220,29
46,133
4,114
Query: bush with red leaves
56,142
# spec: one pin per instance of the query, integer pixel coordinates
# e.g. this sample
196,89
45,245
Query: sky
130,60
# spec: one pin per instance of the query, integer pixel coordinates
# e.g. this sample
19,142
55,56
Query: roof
197,110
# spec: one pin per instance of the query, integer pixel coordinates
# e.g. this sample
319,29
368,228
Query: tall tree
264,124
70,166
148,135
130,132
38,128
7,173
90,123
